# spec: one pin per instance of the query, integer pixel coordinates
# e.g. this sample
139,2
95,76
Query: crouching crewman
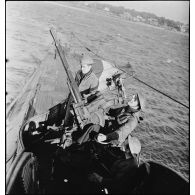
125,120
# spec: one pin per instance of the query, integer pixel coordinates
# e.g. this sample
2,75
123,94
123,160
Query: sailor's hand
85,101
86,95
101,137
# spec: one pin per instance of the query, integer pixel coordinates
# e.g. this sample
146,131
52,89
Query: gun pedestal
82,114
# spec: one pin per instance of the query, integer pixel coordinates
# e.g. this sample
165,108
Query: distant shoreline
84,9
139,23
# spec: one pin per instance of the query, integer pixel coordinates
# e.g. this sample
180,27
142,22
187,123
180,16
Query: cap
87,60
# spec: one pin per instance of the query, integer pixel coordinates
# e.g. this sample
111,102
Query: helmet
87,60
137,102
141,101
134,145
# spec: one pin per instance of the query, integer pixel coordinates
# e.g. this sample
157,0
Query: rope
137,79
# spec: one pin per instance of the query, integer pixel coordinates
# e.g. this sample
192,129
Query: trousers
126,129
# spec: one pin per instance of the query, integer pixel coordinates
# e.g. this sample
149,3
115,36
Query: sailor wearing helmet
86,78
87,83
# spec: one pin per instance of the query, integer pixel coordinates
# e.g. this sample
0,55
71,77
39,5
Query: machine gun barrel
80,110
71,82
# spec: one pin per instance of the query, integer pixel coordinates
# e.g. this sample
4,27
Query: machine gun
81,112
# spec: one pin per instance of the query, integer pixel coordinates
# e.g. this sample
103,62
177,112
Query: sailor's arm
90,88
94,84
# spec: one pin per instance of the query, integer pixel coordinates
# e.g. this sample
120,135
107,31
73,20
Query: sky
174,10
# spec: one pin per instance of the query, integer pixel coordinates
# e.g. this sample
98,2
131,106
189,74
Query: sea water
159,57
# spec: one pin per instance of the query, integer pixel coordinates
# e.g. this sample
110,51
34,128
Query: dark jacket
88,83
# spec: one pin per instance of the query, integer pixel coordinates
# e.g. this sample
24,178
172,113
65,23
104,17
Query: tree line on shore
138,16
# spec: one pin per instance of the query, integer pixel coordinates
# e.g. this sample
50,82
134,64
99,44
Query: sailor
120,123
88,84
126,119
85,78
